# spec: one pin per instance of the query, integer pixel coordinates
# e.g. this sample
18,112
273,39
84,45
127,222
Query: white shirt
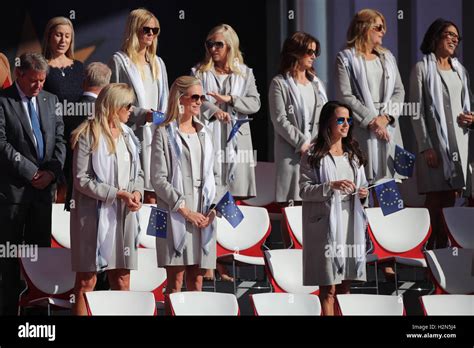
307,92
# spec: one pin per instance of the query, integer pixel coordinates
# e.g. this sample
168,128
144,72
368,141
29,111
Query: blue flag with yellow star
158,118
157,223
236,127
229,210
390,199
404,161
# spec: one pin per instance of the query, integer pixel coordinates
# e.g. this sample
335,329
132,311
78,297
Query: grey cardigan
346,92
288,137
87,193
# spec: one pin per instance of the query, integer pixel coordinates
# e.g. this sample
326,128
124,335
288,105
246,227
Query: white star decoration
394,201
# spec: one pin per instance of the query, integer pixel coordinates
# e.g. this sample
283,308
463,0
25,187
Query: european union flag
236,127
158,117
229,210
157,223
389,197
404,161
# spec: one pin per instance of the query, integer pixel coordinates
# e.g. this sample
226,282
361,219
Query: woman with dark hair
332,186
296,97
440,85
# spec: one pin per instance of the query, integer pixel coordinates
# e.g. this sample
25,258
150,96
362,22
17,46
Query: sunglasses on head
196,97
150,30
210,44
378,28
340,120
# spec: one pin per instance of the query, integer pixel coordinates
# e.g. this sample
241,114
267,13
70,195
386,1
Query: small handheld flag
158,117
157,223
236,127
404,161
229,210
389,197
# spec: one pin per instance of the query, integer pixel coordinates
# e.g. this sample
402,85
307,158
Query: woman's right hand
193,217
346,186
431,158
222,116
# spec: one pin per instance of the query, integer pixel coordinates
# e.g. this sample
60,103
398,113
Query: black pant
28,223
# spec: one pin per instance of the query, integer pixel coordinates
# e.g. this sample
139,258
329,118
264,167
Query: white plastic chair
120,303
285,304
294,222
285,271
460,224
203,303
265,179
451,270
448,304
399,237
363,304
148,277
145,240
60,232
242,246
49,279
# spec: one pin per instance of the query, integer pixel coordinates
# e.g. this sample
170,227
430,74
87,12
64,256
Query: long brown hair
322,144
294,48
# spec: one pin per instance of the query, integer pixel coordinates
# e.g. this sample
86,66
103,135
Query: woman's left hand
137,199
465,120
221,99
363,192
210,218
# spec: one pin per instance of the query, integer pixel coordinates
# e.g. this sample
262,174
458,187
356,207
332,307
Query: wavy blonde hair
111,98
358,32
48,31
234,55
131,44
178,89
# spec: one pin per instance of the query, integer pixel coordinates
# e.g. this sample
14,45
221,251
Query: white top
221,78
344,171
194,145
151,89
375,79
123,163
307,92
454,84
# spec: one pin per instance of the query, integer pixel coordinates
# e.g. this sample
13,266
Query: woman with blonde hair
108,191
138,65
66,74
232,93
184,179
368,80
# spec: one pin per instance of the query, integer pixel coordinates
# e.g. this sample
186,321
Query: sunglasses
310,52
210,44
378,28
453,36
196,97
340,120
128,106
150,30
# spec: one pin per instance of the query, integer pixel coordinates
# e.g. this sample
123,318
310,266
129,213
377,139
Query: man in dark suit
97,76
32,153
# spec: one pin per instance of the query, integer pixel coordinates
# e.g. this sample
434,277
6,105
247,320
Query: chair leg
235,277
376,277
49,309
396,278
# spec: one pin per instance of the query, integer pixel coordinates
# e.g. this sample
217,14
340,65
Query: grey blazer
347,92
289,137
18,154
244,184
87,193
168,198
424,126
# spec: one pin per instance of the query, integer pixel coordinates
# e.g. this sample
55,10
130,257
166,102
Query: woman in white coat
107,193
138,65
332,186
